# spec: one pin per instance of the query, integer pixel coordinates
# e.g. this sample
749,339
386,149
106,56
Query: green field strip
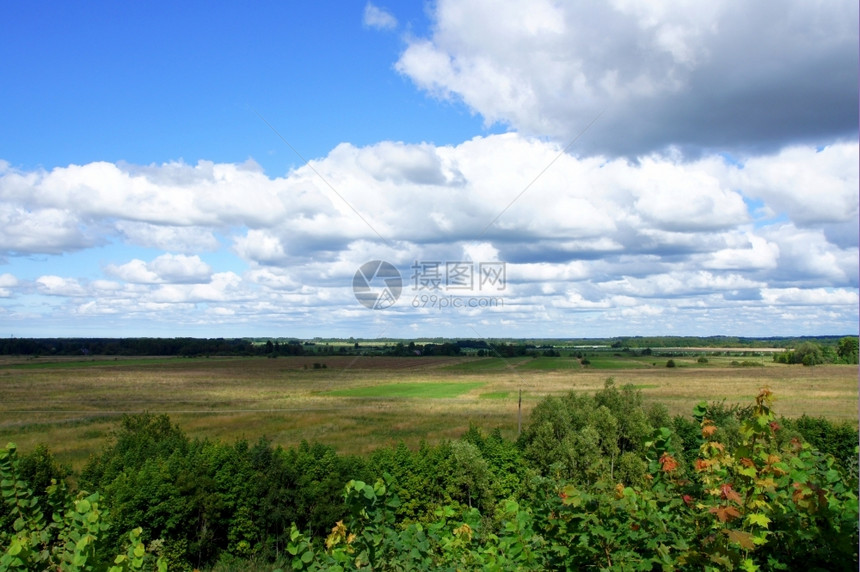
551,363
495,395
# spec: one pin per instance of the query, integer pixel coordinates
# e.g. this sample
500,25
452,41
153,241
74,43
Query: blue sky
640,169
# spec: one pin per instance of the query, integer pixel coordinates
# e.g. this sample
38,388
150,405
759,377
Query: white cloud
375,17
50,230
807,257
59,286
757,253
810,297
261,246
167,268
224,286
174,238
181,268
7,281
583,240
810,186
666,73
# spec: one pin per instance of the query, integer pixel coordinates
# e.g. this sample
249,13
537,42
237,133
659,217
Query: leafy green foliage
806,353
837,439
847,349
580,437
198,499
760,504
74,539
595,482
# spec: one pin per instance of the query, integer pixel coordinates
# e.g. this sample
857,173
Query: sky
524,169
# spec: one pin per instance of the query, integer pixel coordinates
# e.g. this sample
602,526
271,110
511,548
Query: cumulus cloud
378,18
59,286
808,258
811,186
594,237
48,230
755,253
167,268
7,281
224,286
673,73
186,240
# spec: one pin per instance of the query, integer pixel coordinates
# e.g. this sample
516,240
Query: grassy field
413,390
359,403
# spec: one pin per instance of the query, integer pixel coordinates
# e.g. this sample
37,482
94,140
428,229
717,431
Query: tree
808,353
471,473
847,349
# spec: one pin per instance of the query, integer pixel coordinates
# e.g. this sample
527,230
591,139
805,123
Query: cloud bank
597,239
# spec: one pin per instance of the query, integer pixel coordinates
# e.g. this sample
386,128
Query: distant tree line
809,353
186,347
126,346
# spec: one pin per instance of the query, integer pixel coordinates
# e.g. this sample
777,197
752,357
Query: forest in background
826,349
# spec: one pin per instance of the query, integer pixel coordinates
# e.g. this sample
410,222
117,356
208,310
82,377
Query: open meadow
357,403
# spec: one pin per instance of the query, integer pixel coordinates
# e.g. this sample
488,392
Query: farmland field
359,403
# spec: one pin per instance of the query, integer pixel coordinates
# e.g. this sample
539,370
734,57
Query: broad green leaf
750,472
758,519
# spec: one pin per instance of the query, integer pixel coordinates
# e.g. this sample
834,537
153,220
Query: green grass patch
546,363
409,390
614,362
495,395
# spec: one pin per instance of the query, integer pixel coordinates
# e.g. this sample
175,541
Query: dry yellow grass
74,407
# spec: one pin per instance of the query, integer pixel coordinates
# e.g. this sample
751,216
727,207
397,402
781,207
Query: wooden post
520,414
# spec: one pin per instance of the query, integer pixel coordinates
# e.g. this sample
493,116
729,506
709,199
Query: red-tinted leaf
728,493
725,513
669,464
742,538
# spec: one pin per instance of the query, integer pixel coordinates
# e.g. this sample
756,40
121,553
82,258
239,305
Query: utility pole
520,414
